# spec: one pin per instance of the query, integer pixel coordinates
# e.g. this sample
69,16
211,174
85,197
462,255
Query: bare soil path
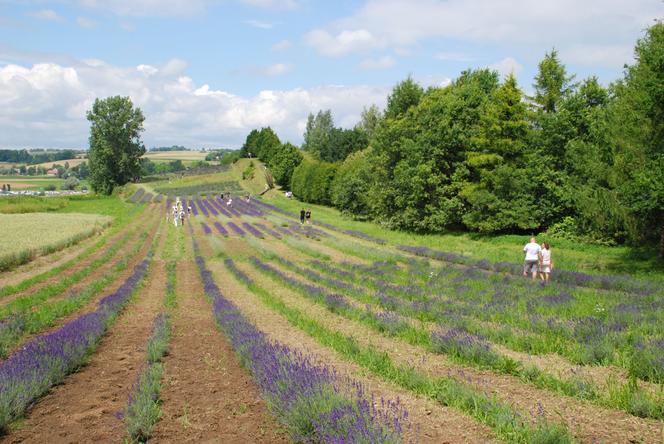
207,396
85,407
431,422
589,423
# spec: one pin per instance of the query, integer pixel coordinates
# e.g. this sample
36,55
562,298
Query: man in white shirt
531,263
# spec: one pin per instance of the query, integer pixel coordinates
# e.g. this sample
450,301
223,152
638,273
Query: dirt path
207,396
589,423
431,422
84,408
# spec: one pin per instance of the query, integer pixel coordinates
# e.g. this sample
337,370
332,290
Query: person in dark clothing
307,215
302,215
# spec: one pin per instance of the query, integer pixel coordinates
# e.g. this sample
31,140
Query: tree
312,181
351,184
266,143
115,143
249,147
501,192
318,133
405,94
551,82
637,124
284,162
369,120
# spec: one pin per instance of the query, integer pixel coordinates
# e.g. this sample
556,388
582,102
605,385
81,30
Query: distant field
72,163
34,234
30,183
176,155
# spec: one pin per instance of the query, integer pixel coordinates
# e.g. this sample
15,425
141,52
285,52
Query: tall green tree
266,144
249,146
637,125
419,157
405,94
551,82
318,133
115,143
369,120
502,195
283,163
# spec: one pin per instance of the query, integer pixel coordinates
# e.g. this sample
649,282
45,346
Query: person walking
530,265
546,265
307,215
302,216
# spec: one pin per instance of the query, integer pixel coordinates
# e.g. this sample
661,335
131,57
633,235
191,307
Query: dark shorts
530,266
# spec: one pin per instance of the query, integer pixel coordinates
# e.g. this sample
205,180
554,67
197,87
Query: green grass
12,289
569,255
623,397
21,320
502,418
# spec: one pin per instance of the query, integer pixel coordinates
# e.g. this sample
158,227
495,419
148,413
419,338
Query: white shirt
546,256
532,250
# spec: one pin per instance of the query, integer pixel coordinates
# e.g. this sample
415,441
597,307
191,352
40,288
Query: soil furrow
431,422
86,407
588,422
207,396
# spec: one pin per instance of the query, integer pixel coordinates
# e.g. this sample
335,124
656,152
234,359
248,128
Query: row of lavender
47,359
582,327
576,278
308,398
453,335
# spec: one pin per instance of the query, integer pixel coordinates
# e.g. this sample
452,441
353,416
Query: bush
248,173
350,187
70,184
312,181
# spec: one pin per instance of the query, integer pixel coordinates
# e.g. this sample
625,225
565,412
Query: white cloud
533,26
282,45
85,22
380,63
259,24
47,14
45,104
342,43
507,66
276,69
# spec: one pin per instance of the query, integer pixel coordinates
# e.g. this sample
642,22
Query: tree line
576,158
35,157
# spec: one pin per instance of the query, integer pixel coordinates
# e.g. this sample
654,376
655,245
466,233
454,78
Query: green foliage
115,144
637,124
249,171
284,162
351,184
312,181
551,82
405,94
326,142
318,133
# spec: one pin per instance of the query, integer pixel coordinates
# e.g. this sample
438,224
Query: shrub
312,181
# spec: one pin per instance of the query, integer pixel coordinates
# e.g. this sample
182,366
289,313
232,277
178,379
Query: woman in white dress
546,264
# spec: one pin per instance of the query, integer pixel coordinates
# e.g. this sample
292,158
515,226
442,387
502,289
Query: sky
206,72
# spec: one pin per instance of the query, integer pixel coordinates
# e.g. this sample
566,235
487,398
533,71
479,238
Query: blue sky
205,72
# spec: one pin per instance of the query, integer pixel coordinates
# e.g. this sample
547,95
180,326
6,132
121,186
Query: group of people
538,260
305,216
6,188
178,213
